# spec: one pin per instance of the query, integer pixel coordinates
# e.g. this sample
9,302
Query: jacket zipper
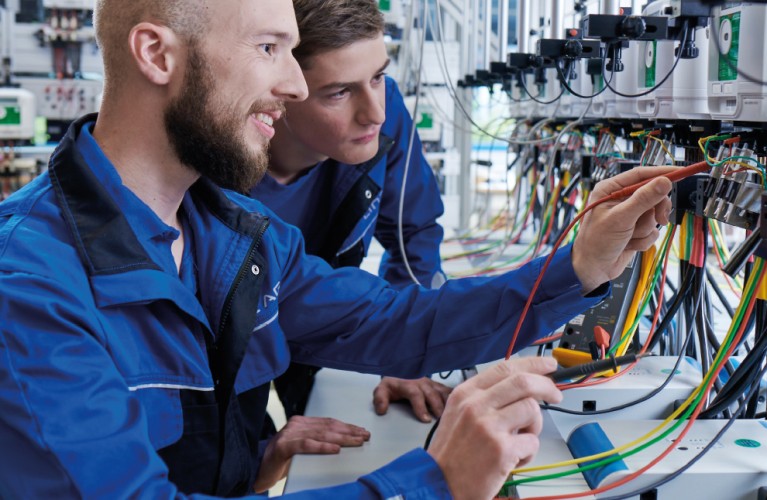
240,276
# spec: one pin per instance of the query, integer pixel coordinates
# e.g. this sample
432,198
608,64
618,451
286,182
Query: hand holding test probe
621,218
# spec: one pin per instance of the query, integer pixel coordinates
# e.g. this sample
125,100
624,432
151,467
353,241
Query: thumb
641,201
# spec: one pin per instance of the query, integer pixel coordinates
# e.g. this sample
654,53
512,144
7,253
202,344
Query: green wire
748,296
643,307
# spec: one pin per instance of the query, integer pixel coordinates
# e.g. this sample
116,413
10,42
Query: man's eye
268,48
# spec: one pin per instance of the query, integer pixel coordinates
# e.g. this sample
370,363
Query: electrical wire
411,142
668,75
617,195
713,442
691,409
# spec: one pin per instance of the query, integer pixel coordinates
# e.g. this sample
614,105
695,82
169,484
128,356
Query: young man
147,309
337,163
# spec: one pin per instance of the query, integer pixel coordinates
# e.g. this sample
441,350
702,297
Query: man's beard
209,138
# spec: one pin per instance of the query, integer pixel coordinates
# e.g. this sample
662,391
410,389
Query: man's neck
140,151
148,166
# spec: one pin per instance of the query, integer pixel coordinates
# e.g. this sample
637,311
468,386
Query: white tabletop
348,396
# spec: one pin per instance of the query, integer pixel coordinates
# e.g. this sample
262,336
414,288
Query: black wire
566,85
676,303
679,471
623,406
535,98
719,293
734,67
744,376
696,300
431,434
671,72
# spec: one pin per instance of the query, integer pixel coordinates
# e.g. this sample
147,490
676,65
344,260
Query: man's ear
156,51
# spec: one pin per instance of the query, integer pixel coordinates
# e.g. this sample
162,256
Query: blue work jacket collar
109,248
347,177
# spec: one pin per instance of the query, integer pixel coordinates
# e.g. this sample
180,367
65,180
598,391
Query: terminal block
688,195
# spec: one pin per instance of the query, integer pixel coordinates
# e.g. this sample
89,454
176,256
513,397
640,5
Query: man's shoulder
252,205
34,234
259,209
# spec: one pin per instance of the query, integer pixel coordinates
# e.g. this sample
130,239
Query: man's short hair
333,24
114,20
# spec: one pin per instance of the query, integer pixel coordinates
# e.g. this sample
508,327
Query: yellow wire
683,237
657,429
649,263
725,251
665,149
701,141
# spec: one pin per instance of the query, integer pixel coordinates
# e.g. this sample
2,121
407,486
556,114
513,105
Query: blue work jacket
102,346
364,203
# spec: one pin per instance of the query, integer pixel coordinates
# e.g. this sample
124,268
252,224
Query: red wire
674,176
682,434
545,266
650,335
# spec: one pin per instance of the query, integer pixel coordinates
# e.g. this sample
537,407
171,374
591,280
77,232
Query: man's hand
491,424
305,435
424,394
612,232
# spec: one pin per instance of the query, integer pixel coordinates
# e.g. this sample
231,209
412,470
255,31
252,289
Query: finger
523,415
338,438
645,198
381,399
645,225
526,447
663,212
435,400
311,447
418,403
504,369
298,424
642,244
522,386
332,424
633,176
527,415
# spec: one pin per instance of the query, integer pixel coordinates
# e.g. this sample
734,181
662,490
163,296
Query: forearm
423,257
465,322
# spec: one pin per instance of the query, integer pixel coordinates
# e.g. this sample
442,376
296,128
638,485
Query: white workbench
349,397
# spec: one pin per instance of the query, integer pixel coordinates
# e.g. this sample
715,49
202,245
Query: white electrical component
735,468
392,11
66,99
603,105
639,381
739,29
428,123
70,4
522,105
546,93
572,105
656,58
689,81
625,82
17,114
